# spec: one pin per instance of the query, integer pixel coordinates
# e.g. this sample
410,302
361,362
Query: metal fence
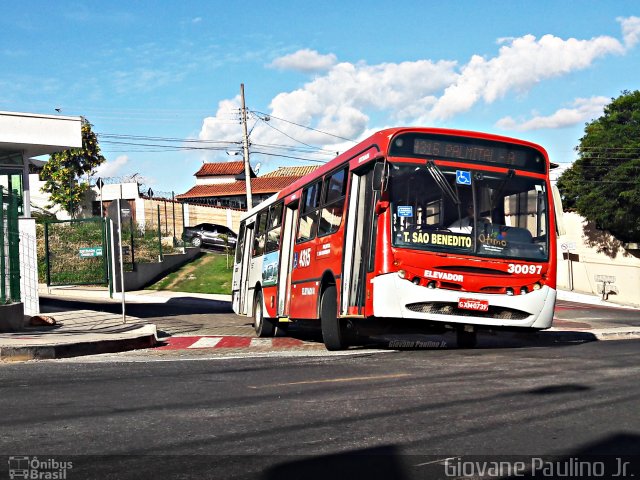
76,252
9,247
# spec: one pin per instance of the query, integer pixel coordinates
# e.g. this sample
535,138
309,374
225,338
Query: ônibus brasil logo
34,468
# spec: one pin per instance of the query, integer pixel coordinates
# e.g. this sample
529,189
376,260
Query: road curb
589,335
67,350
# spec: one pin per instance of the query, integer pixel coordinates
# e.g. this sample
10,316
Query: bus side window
333,203
309,217
240,243
275,227
259,240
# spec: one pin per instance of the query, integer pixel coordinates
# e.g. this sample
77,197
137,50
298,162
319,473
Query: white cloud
306,61
630,30
519,65
343,97
584,109
112,169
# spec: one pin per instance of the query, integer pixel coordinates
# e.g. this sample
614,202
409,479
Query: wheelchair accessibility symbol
463,177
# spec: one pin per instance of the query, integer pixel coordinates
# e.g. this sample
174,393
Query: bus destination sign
478,153
473,150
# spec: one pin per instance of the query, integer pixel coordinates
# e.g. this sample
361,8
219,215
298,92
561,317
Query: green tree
63,173
603,184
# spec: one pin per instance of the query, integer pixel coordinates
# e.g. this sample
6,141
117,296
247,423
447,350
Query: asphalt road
400,413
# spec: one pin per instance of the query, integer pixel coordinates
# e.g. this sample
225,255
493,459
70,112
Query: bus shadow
438,340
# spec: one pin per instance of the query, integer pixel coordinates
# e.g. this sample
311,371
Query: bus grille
450,308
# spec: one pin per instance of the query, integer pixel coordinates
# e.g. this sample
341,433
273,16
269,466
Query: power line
305,126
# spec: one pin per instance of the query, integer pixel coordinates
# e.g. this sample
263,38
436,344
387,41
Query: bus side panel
305,285
269,296
255,281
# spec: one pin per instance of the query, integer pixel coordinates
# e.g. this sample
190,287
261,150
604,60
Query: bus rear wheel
332,333
264,327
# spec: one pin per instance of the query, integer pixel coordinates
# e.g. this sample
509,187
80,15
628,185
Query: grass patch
208,273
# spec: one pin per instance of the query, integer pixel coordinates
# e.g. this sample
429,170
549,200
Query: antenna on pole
245,145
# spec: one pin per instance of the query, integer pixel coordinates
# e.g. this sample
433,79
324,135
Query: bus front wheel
264,327
332,333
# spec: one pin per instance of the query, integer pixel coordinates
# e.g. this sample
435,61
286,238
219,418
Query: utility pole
245,143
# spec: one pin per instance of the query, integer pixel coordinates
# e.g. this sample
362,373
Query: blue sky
160,81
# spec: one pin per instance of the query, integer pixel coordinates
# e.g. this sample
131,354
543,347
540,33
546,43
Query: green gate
9,247
77,252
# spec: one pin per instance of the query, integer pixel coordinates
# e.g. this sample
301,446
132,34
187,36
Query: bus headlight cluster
509,291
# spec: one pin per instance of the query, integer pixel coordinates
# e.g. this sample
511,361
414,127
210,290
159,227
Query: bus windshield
469,211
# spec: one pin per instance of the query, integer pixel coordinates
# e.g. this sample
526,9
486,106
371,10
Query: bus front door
358,248
286,258
244,272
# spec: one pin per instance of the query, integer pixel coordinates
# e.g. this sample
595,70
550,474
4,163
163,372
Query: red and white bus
452,228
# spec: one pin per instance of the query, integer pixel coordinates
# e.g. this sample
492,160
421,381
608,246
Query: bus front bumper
394,297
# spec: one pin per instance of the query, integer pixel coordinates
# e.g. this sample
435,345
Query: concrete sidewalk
85,332
78,332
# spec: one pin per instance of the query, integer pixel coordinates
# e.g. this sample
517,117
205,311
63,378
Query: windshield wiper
442,183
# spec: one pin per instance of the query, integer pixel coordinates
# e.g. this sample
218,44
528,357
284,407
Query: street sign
405,211
90,252
568,246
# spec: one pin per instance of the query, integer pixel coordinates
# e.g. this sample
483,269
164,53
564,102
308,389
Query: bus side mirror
380,175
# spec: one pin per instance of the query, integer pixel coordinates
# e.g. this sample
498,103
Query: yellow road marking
335,380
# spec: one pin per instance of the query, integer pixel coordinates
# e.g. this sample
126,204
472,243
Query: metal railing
9,247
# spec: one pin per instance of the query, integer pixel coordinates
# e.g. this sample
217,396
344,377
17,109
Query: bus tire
332,334
466,339
264,327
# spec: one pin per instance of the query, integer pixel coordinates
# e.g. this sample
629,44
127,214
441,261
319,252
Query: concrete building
22,137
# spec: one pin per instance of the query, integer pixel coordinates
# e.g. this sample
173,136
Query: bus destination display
468,150
477,153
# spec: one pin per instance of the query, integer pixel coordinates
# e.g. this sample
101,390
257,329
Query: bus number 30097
530,269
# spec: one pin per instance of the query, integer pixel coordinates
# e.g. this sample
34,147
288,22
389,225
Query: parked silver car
210,235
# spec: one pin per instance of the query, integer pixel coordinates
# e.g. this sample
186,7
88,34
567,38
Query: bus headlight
509,291
431,284
537,286
524,291
402,274
416,280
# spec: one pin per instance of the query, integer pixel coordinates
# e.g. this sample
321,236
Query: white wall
39,134
598,253
218,179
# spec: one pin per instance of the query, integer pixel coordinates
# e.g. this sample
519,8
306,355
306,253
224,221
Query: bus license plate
473,304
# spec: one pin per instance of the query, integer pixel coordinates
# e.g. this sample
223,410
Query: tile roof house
223,184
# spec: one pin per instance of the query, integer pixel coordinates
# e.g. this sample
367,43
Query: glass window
275,220
261,234
311,197
330,218
240,245
336,186
275,216
306,227
497,215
